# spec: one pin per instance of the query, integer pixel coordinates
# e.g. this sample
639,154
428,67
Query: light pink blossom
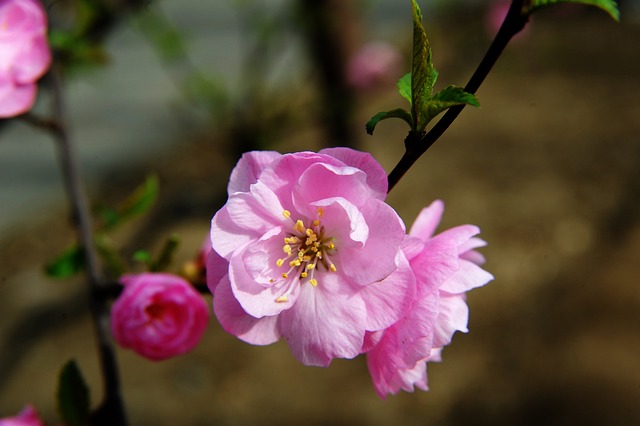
158,315
376,63
27,417
445,267
24,54
306,249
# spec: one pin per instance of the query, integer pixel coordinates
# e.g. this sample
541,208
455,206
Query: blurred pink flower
24,54
376,63
27,417
306,249
158,315
494,16
445,267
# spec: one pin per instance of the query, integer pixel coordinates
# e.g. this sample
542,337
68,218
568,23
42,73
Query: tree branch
418,143
111,411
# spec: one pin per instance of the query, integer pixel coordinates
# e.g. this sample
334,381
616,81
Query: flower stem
418,143
111,411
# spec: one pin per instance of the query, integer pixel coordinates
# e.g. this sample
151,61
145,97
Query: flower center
306,249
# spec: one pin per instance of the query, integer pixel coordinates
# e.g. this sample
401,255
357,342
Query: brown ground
549,168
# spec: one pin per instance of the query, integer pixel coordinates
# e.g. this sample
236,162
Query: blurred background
548,168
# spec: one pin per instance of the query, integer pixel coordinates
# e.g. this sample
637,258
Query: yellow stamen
282,299
333,268
280,262
313,282
320,212
286,214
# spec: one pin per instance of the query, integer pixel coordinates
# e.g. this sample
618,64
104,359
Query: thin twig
111,412
418,143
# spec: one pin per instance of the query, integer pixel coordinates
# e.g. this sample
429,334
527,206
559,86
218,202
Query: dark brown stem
111,411
418,143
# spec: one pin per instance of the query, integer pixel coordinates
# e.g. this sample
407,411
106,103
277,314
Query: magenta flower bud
27,417
24,54
158,315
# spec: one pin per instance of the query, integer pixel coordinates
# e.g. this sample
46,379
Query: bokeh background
548,167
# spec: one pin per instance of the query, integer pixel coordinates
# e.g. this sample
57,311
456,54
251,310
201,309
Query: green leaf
69,263
423,73
608,6
142,198
73,396
113,262
404,86
139,202
142,256
166,254
446,98
419,64
395,113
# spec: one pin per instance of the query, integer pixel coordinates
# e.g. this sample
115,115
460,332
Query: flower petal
467,277
217,268
322,181
226,236
376,176
257,331
15,99
439,260
256,282
376,259
388,300
32,61
258,210
325,323
453,316
283,173
249,168
427,221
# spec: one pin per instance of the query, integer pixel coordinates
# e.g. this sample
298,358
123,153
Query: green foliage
394,113
69,263
404,86
164,37
421,66
446,98
137,203
608,6
417,86
166,254
73,396
164,258
142,256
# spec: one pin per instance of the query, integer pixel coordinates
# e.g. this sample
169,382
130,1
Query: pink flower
445,267
158,315
494,16
306,249
27,417
374,64
24,54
